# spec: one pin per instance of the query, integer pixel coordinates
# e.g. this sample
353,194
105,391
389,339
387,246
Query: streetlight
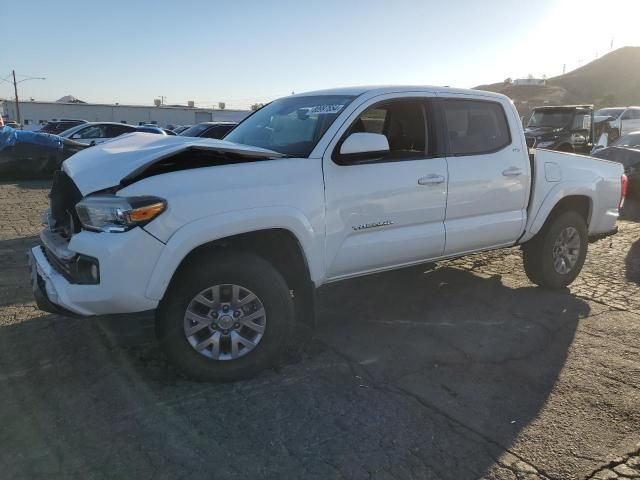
15,89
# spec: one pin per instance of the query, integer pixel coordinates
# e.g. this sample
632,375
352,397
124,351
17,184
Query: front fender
216,227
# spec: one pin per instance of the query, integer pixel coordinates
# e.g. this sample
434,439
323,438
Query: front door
489,175
386,211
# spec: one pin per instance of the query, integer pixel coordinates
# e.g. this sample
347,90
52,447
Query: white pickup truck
227,240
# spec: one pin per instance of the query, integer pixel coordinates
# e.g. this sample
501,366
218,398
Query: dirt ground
458,370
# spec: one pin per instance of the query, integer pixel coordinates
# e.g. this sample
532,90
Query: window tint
94,131
116,130
403,122
475,126
195,130
217,131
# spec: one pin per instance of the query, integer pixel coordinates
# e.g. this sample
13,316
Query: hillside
611,80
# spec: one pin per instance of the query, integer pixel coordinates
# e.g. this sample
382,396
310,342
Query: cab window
404,124
93,131
475,127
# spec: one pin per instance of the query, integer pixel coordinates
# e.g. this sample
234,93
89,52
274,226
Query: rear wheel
226,318
555,256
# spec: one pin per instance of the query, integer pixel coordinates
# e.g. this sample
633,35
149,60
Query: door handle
431,179
512,172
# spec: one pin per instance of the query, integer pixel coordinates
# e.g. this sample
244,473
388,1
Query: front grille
64,196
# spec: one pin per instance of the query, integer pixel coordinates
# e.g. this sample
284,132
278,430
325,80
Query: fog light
87,270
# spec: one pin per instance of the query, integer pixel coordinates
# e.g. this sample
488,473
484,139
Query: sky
242,52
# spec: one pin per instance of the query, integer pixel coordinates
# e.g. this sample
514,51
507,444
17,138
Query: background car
26,154
625,150
180,128
92,133
154,129
61,125
622,120
209,129
630,140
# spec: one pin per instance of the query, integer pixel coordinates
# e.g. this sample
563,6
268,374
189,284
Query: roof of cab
384,89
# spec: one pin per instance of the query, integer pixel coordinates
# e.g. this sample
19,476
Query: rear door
489,174
387,211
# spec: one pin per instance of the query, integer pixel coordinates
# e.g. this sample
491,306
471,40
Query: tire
250,273
538,253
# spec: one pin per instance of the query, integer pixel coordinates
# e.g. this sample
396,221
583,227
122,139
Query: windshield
631,140
292,125
195,130
551,118
609,112
70,131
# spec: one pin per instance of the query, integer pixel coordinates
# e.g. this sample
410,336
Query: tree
256,106
221,105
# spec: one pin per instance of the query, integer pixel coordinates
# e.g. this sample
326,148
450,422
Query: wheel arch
578,199
255,230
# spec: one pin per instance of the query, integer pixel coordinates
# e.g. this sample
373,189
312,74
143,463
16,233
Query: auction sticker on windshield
325,109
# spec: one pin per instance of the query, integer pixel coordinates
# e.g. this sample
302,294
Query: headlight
544,144
108,213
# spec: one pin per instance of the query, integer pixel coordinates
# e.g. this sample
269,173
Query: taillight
624,185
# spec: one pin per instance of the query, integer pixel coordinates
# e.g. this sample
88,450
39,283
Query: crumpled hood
106,164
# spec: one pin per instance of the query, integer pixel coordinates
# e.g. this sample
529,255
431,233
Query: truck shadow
632,262
631,210
425,374
14,277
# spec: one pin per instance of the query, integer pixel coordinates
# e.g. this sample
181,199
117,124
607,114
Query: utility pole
15,89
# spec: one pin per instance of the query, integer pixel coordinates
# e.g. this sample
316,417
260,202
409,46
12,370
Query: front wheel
555,256
226,317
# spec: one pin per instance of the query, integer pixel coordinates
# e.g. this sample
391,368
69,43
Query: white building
530,81
35,113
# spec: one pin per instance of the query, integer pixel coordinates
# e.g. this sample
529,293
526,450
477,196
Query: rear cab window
475,127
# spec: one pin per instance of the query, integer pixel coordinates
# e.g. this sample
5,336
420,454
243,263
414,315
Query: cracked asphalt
457,370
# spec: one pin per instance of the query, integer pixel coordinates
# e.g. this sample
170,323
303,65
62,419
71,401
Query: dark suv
567,128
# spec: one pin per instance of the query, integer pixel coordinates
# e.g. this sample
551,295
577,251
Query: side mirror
365,145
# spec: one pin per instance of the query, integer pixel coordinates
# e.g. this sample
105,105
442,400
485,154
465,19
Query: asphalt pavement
457,370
